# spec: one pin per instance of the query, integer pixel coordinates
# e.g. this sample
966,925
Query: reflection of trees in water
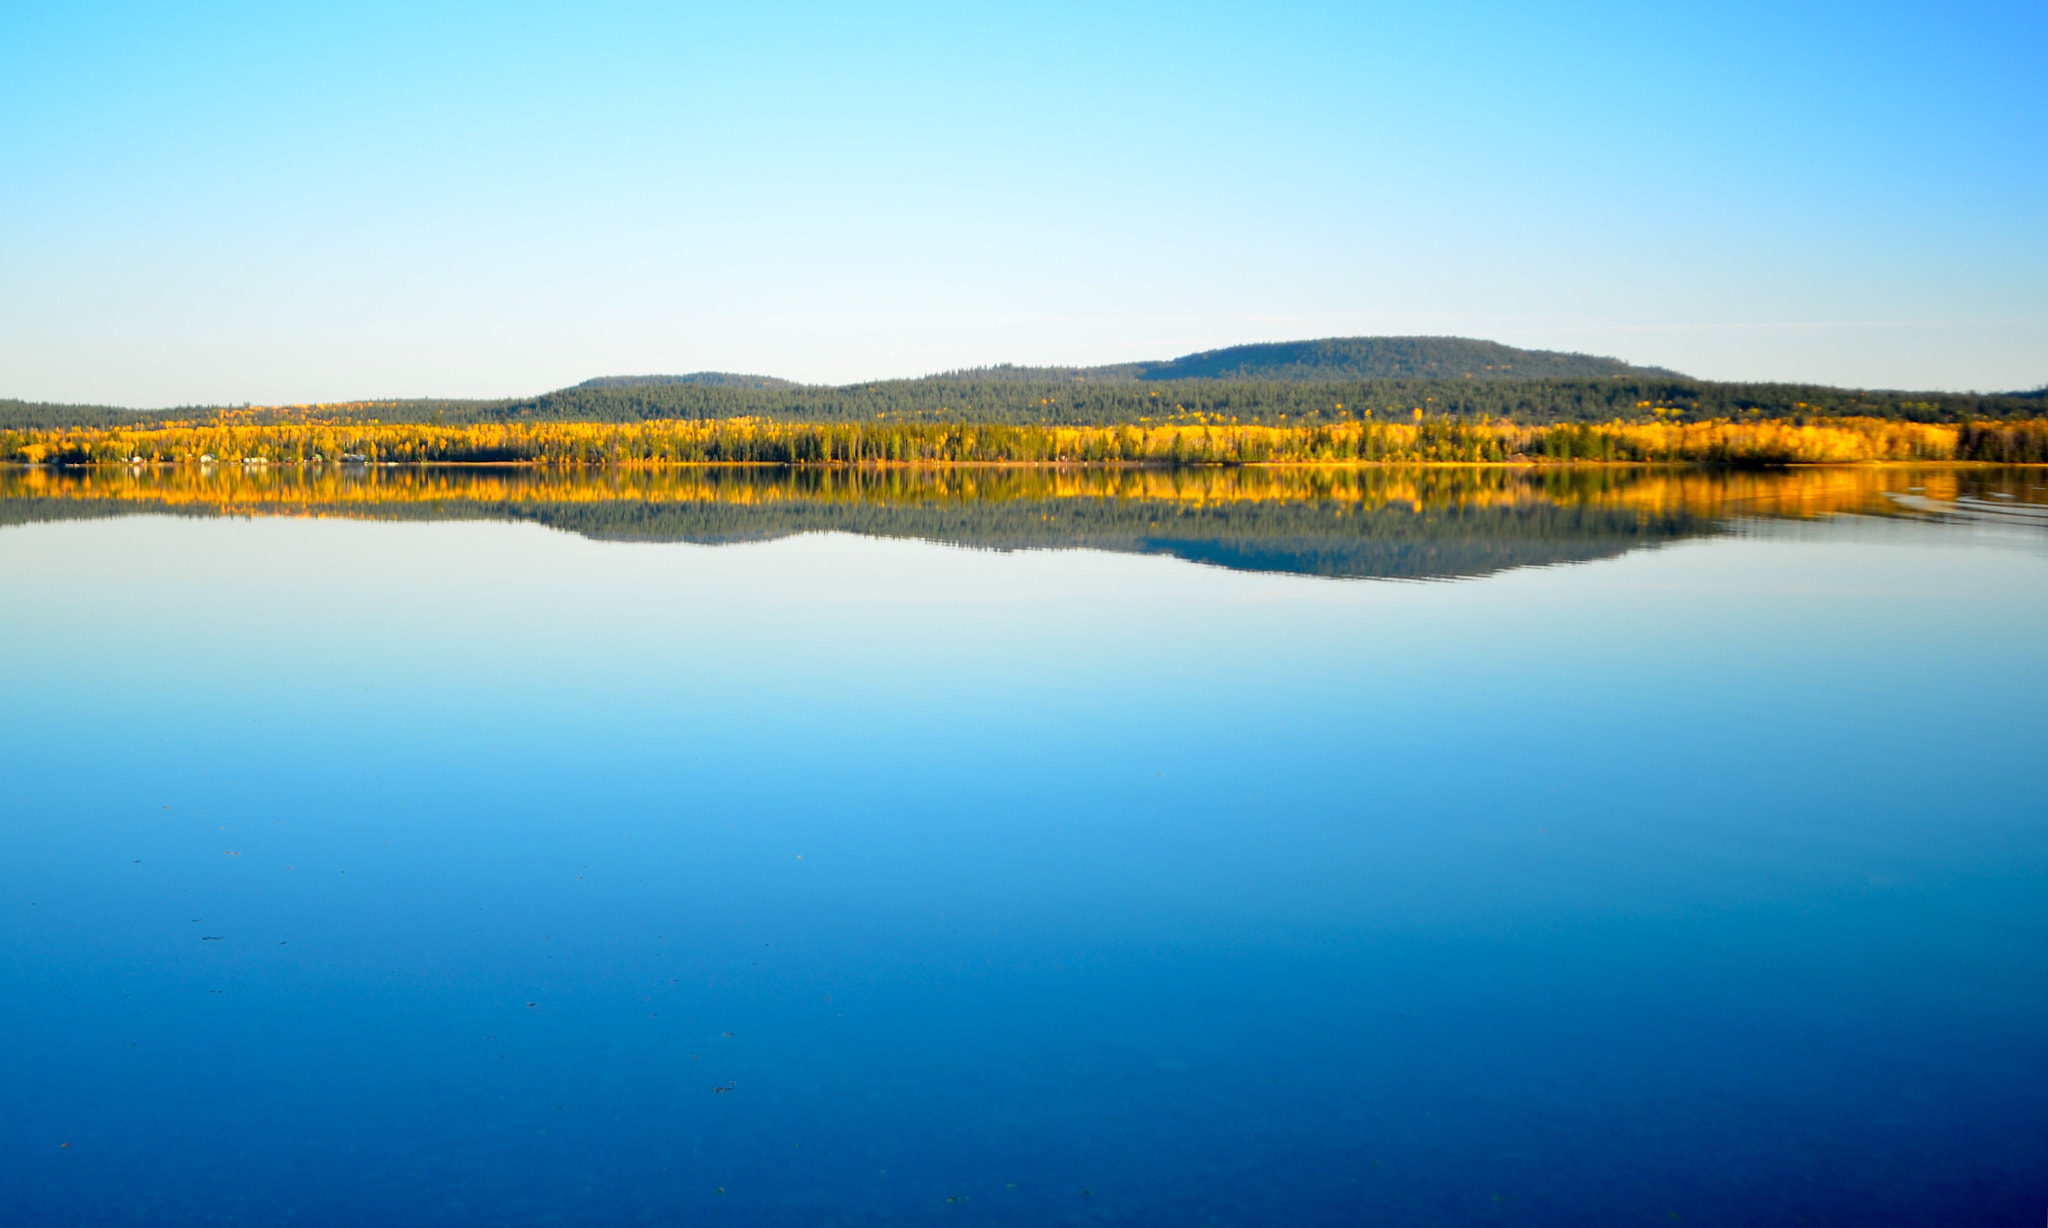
1378,521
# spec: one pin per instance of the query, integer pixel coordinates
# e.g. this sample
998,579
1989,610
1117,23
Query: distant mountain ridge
1320,361
1328,379
706,379
1358,358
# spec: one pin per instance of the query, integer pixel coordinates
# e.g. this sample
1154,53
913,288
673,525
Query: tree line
1186,440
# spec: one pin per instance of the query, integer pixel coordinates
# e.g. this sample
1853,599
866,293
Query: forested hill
1377,358
708,379
1018,396
1331,359
1329,379
45,415
1333,379
1344,359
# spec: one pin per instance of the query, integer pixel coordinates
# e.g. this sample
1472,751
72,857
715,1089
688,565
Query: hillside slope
702,379
1376,358
1327,380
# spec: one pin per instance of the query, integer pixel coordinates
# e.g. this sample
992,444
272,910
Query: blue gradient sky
227,203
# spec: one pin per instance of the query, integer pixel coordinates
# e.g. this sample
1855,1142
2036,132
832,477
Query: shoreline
1438,441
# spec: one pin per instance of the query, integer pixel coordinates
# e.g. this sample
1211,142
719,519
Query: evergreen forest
1295,383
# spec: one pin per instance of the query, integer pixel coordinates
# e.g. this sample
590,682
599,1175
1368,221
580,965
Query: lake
1039,846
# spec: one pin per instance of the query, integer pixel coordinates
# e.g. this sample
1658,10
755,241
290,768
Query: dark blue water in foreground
480,874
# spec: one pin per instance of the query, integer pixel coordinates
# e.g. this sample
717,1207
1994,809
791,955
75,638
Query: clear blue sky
292,202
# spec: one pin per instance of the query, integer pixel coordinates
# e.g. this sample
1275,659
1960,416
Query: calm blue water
477,873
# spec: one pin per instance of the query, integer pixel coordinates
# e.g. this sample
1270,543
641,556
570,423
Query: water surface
1024,847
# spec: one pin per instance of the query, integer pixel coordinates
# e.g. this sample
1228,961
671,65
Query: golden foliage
246,440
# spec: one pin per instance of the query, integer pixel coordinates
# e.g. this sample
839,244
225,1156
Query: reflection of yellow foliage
244,439
1649,491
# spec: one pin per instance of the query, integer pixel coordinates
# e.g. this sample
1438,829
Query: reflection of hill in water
1323,538
1393,523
